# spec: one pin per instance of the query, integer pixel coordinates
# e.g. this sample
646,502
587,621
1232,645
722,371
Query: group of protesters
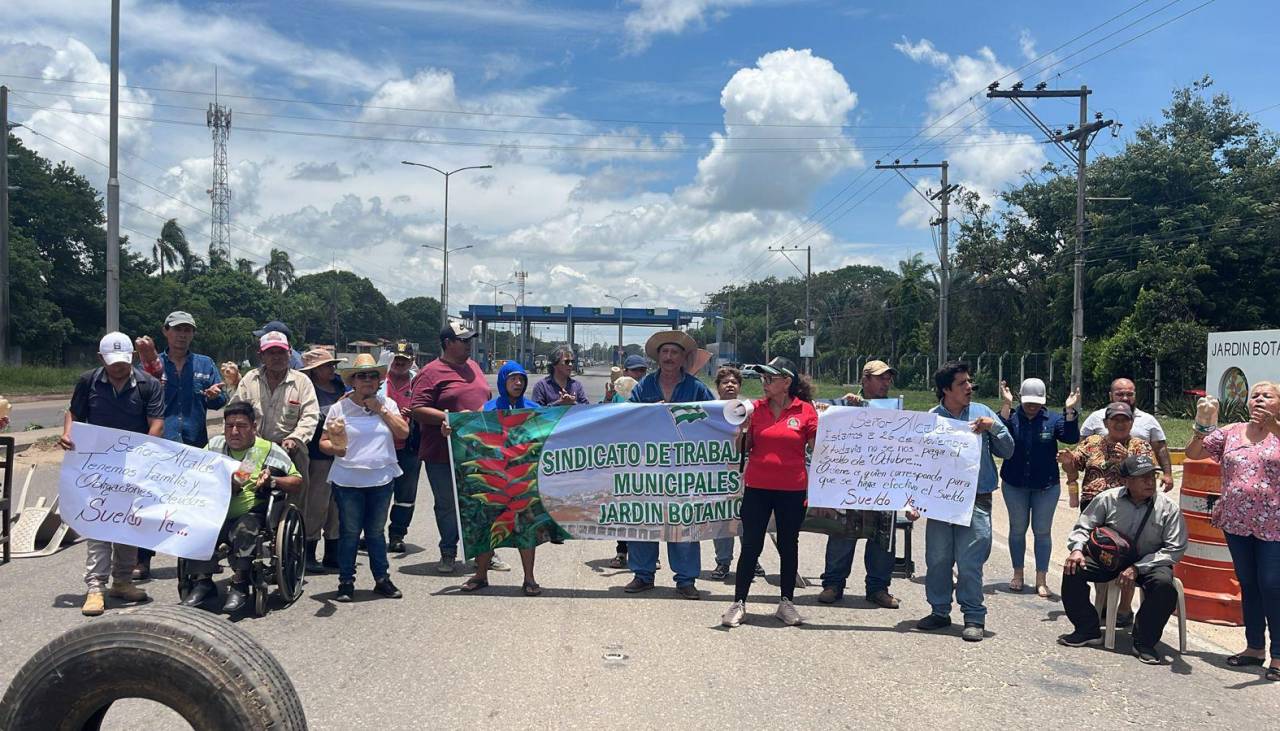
347,443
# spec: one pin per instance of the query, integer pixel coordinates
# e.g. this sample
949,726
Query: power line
1134,38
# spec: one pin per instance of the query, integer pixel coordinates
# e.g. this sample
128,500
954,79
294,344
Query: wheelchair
279,557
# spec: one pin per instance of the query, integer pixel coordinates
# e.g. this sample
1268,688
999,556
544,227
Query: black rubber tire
291,555
209,671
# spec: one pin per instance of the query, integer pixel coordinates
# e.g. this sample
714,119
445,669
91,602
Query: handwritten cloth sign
885,459
144,491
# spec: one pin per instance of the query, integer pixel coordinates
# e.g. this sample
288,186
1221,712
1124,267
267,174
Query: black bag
1112,550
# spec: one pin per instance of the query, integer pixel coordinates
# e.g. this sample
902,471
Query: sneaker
788,614
95,603
1080,639
127,591
1147,655
759,570
720,572
933,621
447,565
637,585
497,564
689,591
1124,619
830,595
346,592
618,562
884,599
384,587
395,545
972,632
734,614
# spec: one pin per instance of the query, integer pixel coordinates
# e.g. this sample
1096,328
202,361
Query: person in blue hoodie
513,381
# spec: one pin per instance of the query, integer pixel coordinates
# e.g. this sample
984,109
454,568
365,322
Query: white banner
144,491
885,459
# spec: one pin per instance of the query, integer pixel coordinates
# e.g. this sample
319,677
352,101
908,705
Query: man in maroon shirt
452,382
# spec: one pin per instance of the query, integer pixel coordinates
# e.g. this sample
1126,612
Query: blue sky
614,170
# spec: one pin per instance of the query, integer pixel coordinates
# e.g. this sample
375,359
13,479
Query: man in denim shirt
965,547
192,386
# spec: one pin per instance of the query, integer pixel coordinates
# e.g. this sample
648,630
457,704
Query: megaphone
737,411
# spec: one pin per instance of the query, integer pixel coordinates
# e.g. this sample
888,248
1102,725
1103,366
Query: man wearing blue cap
275,326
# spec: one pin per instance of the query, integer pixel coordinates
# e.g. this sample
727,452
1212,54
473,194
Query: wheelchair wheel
259,592
184,580
290,554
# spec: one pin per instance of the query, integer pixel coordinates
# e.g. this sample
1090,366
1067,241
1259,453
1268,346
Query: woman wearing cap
1030,476
776,438
560,388
512,382
319,510
1100,456
1249,513
398,386
728,386
362,473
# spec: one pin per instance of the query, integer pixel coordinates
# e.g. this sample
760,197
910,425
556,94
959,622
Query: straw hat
363,362
677,337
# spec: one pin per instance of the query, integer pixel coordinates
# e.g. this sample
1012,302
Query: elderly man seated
251,484
1150,526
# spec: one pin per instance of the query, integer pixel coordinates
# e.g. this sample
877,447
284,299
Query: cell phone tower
218,120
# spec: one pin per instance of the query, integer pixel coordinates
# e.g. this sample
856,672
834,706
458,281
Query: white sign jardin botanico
885,459
1237,360
144,491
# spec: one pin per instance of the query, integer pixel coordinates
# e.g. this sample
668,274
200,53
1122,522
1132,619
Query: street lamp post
621,301
515,302
494,352
444,286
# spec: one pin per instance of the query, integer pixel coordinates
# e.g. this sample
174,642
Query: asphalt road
44,413
586,655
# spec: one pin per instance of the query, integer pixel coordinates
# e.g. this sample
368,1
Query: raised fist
1206,415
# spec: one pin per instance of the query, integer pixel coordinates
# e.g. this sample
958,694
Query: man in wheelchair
264,467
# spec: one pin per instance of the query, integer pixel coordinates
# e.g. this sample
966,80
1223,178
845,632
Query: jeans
684,559
787,509
108,560
877,562
440,476
1158,601
724,550
1258,571
965,547
1034,507
362,509
406,492
241,533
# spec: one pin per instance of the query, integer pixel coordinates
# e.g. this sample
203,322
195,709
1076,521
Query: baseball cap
272,339
457,331
1032,391
877,368
115,347
402,349
178,317
275,326
635,361
1136,465
777,367
1119,408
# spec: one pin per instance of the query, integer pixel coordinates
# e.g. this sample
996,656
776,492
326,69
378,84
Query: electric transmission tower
219,123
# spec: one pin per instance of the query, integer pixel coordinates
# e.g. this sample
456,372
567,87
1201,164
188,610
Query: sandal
1016,585
1241,660
474,584
531,588
1272,674
1042,591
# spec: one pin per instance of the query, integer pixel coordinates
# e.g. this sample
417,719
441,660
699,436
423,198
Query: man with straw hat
319,513
675,352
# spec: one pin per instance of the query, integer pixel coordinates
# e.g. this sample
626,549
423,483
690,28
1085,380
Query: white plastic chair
1108,595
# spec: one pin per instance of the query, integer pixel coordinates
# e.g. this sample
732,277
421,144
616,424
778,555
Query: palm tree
175,240
244,266
278,271
163,251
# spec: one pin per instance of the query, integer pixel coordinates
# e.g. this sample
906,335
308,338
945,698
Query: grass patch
29,380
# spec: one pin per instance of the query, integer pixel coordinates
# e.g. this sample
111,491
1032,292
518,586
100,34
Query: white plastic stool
1108,595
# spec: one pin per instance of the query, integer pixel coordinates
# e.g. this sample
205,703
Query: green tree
278,271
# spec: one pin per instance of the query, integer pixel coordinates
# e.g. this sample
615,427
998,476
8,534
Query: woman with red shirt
776,437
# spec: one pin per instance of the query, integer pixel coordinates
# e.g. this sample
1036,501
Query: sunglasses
566,362
369,376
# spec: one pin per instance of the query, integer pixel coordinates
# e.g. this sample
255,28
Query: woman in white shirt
360,433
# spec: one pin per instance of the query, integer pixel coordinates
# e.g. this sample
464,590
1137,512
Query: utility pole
113,180
808,278
943,221
444,284
766,328
621,301
1082,136
493,353
4,225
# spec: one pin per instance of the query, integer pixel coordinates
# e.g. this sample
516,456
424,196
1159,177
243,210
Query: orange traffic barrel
1207,573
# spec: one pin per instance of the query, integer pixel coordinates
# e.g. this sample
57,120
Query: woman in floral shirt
1249,514
1099,457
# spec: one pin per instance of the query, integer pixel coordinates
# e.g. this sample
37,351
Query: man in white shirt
1145,427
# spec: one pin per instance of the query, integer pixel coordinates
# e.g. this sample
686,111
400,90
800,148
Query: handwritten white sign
885,459
144,491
